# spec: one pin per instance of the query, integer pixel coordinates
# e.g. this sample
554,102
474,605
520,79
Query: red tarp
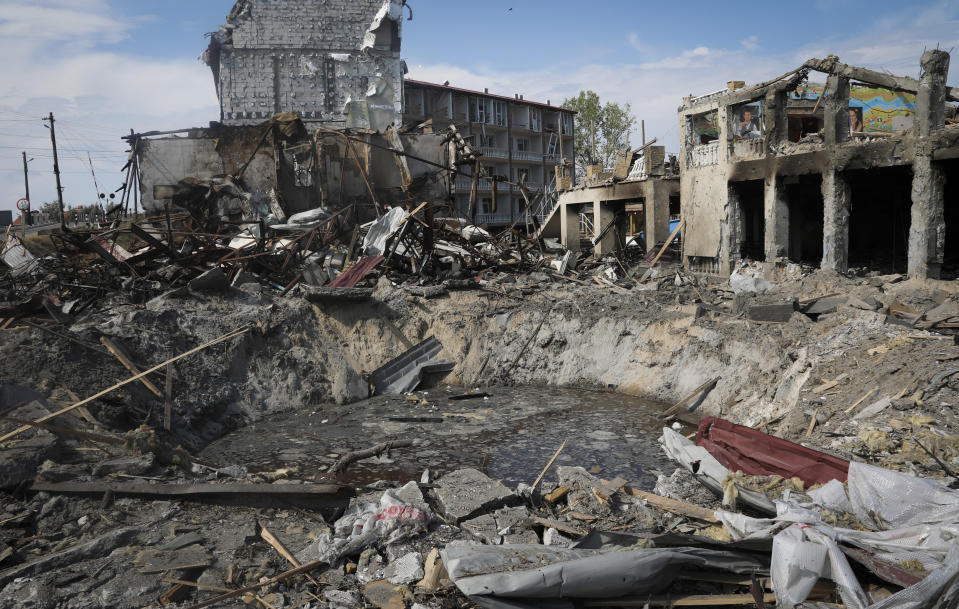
754,453
361,269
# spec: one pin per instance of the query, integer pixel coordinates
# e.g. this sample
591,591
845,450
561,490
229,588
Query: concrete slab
468,493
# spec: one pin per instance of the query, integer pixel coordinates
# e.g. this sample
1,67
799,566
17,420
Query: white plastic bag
386,522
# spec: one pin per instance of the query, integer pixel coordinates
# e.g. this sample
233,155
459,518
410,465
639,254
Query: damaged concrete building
519,140
636,199
312,108
291,77
787,170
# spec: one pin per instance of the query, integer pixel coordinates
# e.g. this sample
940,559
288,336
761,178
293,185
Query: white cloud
635,42
656,88
53,61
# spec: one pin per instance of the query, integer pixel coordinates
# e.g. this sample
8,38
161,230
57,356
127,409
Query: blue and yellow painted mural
879,110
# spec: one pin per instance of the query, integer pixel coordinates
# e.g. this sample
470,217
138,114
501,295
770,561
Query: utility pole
56,171
27,217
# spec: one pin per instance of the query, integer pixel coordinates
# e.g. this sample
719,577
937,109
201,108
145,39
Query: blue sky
105,66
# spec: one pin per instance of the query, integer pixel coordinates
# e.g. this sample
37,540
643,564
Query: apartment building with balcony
519,140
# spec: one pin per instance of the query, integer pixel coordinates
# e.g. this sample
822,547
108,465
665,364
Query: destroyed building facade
520,140
335,62
787,170
313,106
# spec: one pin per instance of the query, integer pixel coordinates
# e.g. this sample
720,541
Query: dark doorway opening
950,200
752,237
879,218
805,204
674,206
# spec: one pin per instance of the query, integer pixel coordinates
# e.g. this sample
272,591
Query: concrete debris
467,493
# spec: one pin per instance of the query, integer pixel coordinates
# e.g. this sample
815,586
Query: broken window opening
804,202
752,234
879,217
703,128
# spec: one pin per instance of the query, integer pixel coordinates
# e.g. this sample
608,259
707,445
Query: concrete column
569,226
656,212
730,237
776,214
927,229
603,214
836,110
835,231
774,116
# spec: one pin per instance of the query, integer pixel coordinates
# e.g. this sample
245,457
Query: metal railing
586,224
494,153
496,218
525,155
465,183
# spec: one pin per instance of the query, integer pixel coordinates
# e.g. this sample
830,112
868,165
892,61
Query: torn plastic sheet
925,515
710,472
374,243
537,576
383,523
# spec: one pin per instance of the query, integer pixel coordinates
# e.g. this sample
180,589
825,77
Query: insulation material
918,522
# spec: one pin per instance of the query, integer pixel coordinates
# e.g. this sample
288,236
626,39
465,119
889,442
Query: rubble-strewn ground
280,403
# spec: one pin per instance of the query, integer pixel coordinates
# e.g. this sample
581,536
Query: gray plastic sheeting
519,576
405,373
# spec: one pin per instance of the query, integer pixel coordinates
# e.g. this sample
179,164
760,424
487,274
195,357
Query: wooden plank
316,564
329,494
550,464
662,250
271,539
675,407
681,600
84,435
120,355
677,507
136,377
861,400
560,526
812,423
557,494
825,387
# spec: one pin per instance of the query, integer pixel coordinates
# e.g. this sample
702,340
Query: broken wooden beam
133,378
672,505
707,386
128,364
323,495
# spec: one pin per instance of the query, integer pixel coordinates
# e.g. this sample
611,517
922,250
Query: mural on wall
704,128
878,110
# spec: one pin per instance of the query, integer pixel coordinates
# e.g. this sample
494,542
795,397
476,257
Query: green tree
53,209
601,129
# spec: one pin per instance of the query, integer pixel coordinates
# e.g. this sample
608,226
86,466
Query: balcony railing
492,153
706,154
497,218
465,183
749,148
525,155
551,158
